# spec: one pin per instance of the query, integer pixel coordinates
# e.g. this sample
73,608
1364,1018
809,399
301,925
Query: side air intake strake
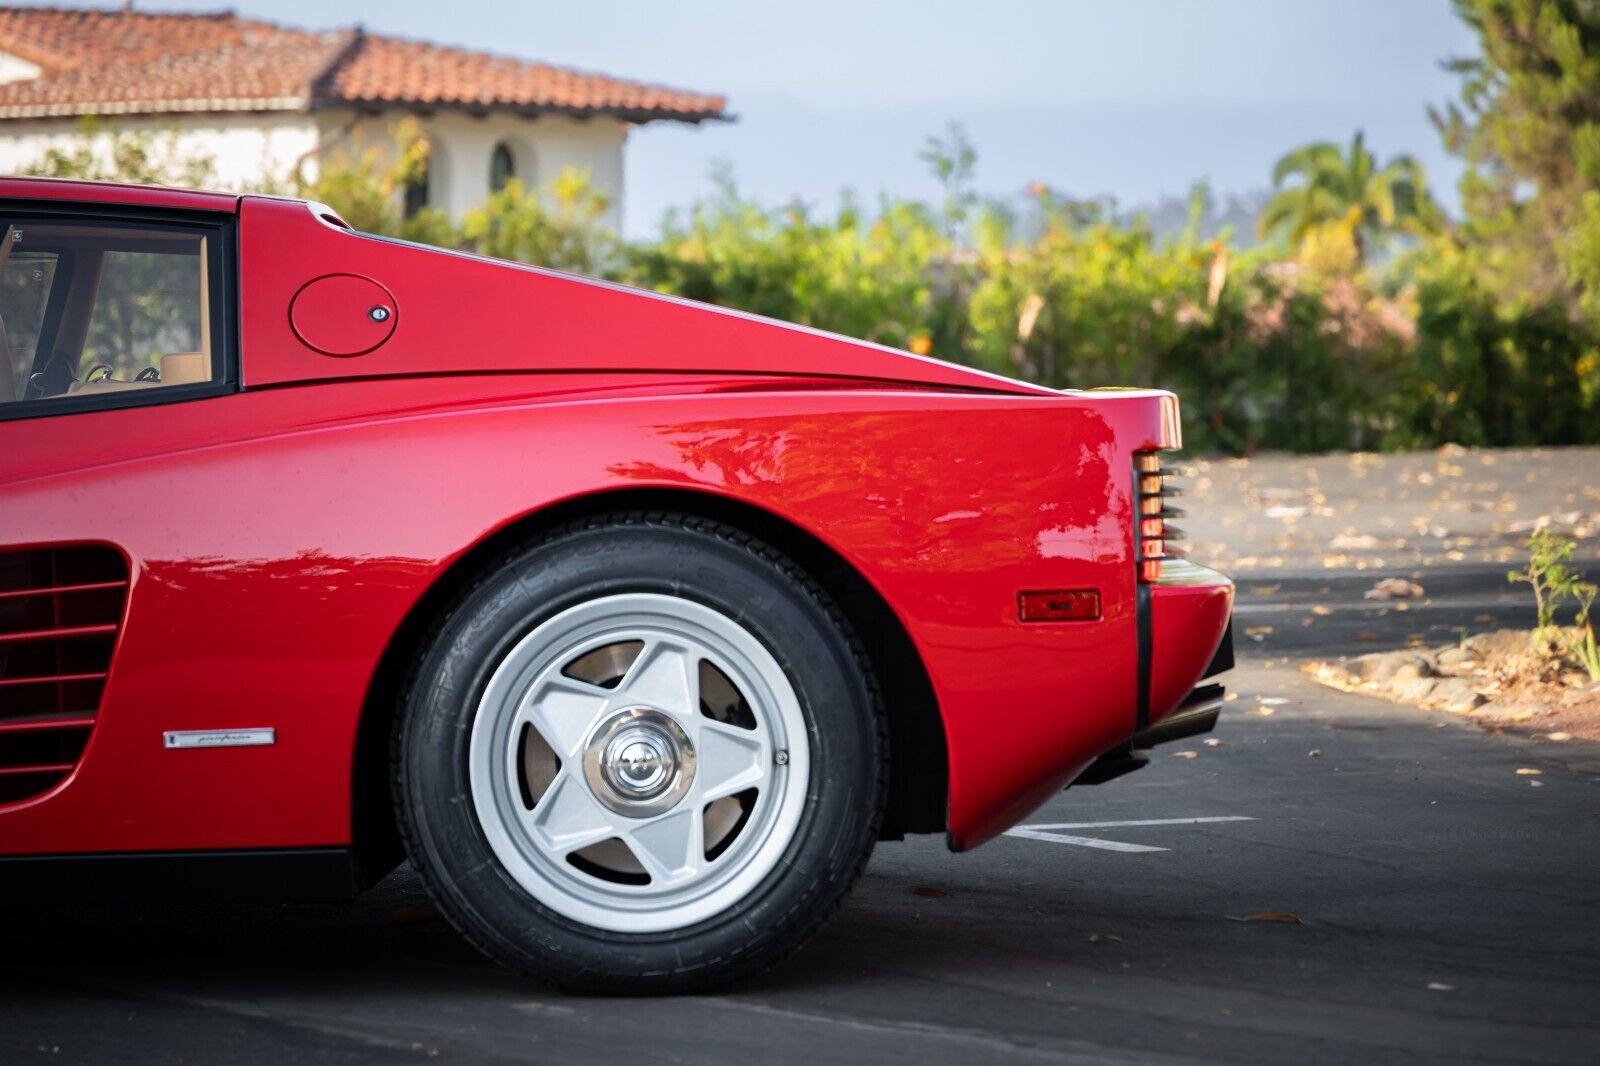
60,611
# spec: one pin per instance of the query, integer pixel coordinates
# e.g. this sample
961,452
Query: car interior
90,309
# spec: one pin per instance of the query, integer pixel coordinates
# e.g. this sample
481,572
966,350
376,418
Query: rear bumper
1186,637
1190,637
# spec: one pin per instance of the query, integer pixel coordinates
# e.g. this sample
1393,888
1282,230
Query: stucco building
260,99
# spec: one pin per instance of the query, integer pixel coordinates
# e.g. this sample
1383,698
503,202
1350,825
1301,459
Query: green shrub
1266,353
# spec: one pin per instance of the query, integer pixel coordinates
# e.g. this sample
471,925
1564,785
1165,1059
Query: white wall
249,149
15,68
462,145
245,148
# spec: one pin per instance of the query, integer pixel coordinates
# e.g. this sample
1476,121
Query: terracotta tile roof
391,70
131,62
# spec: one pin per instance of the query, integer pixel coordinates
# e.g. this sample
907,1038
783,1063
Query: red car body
285,537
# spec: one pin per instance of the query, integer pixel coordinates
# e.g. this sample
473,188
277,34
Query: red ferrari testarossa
632,623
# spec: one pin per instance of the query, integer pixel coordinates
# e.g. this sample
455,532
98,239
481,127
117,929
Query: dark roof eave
152,107
637,115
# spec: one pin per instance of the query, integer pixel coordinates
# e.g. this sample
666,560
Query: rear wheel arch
918,760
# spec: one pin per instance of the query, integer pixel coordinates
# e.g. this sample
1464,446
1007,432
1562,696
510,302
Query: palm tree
1322,191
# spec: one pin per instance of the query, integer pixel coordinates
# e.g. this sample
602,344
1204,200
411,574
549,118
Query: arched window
416,190
502,166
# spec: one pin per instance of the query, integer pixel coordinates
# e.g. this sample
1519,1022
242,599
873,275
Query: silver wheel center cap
639,762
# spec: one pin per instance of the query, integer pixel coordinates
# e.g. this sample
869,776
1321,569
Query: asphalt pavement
1335,879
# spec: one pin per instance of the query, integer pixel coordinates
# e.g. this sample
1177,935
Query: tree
1325,196
559,228
1528,126
952,159
367,184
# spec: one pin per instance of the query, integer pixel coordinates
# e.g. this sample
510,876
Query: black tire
664,553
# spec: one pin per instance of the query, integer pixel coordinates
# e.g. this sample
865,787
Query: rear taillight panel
1155,533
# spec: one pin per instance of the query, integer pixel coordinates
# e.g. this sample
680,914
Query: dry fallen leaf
1321,609
1483,618
1558,736
1272,701
1266,712
1184,754
1211,742
1529,771
1440,986
931,893
1268,916
1393,588
1536,784
1315,753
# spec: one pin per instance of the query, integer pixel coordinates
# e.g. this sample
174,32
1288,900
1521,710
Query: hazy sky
1133,98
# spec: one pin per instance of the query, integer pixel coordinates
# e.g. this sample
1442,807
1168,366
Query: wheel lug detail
780,757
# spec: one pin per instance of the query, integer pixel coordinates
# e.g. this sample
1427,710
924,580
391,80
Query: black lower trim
1112,765
1197,715
277,875
1141,621
1222,661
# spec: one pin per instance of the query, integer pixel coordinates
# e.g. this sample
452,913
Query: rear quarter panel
278,538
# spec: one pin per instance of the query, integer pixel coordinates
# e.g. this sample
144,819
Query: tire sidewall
743,580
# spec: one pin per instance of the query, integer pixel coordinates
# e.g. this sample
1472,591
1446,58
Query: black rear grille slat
60,616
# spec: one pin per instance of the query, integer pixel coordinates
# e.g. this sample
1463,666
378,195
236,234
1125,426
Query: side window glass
25,280
92,310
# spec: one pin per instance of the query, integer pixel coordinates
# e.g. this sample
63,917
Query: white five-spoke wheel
639,762
643,752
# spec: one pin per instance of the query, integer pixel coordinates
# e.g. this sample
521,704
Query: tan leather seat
110,385
185,368
177,368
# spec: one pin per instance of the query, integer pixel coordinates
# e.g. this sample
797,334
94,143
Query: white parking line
1049,831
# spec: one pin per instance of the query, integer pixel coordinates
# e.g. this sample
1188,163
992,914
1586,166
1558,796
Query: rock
1455,657
1512,710
1414,690
1386,666
1414,667
1362,667
1499,643
1456,694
